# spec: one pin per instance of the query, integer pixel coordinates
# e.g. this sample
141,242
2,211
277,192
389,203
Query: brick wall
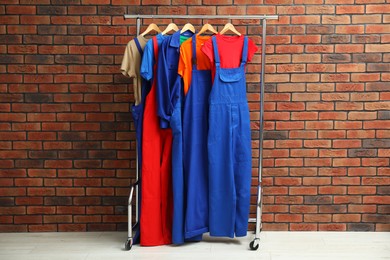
67,145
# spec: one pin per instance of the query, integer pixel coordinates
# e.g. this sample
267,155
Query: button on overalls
195,127
156,192
229,149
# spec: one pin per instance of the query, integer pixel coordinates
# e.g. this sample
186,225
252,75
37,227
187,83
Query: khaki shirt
131,64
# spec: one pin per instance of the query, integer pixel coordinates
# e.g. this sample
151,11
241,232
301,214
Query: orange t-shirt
185,60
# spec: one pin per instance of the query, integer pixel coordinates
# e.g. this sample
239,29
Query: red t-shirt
229,49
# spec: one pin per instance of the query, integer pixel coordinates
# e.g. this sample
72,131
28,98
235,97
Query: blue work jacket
168,90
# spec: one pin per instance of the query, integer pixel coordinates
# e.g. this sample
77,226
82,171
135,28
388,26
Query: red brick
319,162
366,19
319,48
364,77
332,190
385,8
57,219
317,143
116,30
82,10
349,105
70,210
346,217
304,116
317,218
11,78
99,40
289,162
22,69
302,134
96,20
26,126
333,153
336,19
320,106
307,19
348,9
36,19
9,19
376,199
95,2
289,125
303,191
55,49
27,219
40,191
348,125
319,125
17,9
321,9
360,134
66,78
308,39
332,227
58,164
351,67
87,219
377,124
100,191
52,69
21,29
333,116
288,217
70,192
377,47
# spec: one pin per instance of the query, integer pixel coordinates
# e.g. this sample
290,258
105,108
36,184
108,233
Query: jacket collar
175,40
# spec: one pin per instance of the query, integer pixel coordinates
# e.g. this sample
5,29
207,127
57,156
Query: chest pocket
231,75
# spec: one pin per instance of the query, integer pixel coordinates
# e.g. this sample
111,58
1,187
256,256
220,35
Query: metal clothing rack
254,244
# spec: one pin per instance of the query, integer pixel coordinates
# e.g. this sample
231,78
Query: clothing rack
254,244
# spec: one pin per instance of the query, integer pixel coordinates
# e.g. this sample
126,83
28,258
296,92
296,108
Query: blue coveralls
229,149
137,112
195,127
170,99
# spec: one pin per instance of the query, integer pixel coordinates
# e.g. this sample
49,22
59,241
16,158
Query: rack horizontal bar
246,17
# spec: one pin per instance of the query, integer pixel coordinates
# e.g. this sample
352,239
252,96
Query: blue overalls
170,99
195,127
229,149
137,112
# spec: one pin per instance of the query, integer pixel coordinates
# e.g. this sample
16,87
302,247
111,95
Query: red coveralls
156,181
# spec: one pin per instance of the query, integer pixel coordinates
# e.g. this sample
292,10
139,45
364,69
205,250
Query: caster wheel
254,245
128,245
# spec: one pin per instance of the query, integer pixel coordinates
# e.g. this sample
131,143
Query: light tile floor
273,246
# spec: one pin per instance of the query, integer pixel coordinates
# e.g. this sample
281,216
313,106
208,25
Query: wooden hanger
188,27
230,27
170,27
207,27
151,27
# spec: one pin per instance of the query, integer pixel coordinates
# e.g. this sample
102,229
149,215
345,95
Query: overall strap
155,52
138,46
194,61
155,49
216,54
244,51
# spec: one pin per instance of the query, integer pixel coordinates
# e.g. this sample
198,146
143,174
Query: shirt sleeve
147,62
252,49
127,66
163,90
